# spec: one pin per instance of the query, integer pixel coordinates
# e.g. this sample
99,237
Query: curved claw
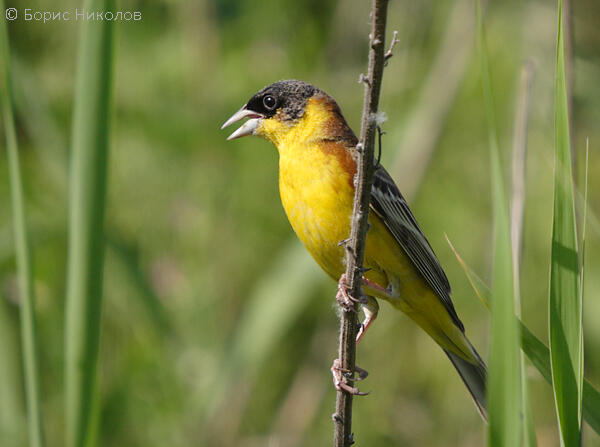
339,373
362,373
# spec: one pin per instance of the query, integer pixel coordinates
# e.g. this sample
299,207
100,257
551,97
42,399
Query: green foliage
12,414
266,320
504,382
23,255
566,333
537,352
86,226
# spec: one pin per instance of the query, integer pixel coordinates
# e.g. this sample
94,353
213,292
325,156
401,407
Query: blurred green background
217,329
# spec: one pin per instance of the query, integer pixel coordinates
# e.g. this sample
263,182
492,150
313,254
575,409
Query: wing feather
387,202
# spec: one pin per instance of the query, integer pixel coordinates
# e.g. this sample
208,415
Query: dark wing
387,202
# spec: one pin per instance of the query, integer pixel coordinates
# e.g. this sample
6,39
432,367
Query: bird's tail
474,375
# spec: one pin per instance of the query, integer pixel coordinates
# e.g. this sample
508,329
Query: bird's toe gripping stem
339,374
344,299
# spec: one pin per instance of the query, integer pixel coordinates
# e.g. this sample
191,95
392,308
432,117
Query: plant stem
517,203
355,248
424,125
517,209
569,37
23,255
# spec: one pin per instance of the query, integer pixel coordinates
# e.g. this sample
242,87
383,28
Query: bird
317,169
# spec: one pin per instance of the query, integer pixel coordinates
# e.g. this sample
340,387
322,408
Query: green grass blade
481,289
12,413
566,350
23,254
582,254
537,352
504,382
591,406
582,277
86,223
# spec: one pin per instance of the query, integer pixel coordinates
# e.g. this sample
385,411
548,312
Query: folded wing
387,202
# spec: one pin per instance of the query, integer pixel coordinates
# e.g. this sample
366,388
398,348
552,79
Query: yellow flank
317,195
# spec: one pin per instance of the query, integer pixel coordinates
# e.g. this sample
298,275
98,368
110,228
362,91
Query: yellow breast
317,195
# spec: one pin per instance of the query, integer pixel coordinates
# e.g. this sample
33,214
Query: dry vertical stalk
355,247
569,74
517,205
425,123
517,208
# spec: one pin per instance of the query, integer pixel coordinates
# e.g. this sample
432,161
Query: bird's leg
380,289
339,374
369,304
370,309
344,299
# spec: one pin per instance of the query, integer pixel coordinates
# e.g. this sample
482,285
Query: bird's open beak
248,127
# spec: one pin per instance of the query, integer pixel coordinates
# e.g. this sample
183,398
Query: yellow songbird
317,166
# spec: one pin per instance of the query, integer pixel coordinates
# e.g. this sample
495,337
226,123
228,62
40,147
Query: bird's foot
344,299
339,374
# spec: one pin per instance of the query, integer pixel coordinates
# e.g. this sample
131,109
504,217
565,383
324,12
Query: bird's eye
269,102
